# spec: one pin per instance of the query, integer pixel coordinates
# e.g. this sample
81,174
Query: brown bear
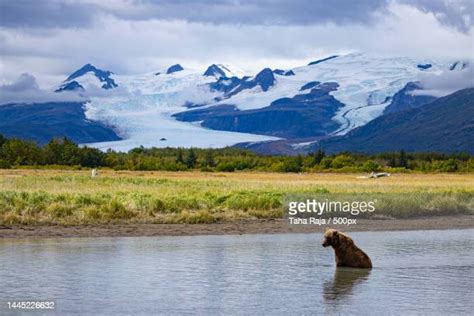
347,253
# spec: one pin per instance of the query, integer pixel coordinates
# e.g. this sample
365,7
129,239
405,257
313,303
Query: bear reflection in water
344,282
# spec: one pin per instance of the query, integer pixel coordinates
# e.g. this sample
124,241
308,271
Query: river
415,272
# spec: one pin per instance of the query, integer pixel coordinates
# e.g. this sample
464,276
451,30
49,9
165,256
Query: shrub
115,210
341,161
370,166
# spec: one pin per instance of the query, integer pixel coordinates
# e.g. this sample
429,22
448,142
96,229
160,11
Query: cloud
75,13
445,83
25,89
84,13
456,13
46,13
24,83
129,37
255,12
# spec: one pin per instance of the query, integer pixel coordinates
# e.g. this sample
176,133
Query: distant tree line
63,152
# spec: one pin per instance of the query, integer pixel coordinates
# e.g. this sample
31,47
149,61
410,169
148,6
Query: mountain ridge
290,104
444,125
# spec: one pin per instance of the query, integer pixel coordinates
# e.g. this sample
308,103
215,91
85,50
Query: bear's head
331,238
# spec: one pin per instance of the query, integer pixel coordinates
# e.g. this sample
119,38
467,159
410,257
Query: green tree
450,165
209,159
191,159
91,157
299,162
3,140
470,164
293,164
403,160
326,162
392,160
62,152
21,152
225,167
179,156
318,156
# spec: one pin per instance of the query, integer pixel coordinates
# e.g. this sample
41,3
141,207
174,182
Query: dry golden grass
334,182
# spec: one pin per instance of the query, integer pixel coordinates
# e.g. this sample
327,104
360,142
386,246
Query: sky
49,39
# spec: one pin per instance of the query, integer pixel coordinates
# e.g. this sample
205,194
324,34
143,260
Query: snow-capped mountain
365,86
86,77
215,107
219,71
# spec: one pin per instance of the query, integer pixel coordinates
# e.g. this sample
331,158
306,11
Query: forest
63,153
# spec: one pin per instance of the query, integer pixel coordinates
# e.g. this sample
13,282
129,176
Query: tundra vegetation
73,197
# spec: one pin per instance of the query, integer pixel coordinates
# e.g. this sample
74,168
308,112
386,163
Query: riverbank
267,226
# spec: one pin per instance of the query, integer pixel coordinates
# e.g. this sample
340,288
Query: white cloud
447,82
25,89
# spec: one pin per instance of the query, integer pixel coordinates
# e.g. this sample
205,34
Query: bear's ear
335,233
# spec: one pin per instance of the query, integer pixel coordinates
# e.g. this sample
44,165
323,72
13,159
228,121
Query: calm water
423,272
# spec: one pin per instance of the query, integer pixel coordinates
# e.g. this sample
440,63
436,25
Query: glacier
143,116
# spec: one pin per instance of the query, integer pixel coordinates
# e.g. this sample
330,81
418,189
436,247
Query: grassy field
72,197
